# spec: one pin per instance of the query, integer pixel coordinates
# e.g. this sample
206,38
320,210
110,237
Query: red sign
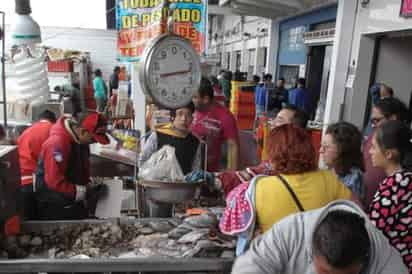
406,8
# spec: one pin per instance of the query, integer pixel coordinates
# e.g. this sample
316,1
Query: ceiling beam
263,8
274,4
224,2
255,11
273,9
218,10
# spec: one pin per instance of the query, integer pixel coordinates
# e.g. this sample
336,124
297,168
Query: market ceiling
265,8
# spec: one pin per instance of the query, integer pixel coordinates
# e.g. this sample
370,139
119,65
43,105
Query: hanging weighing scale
170,75
170,72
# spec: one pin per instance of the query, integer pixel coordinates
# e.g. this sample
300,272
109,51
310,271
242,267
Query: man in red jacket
62,175
29,146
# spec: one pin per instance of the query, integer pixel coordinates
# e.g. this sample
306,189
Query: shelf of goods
60,66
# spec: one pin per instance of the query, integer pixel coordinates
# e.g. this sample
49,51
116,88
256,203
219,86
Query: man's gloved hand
200,176
97,192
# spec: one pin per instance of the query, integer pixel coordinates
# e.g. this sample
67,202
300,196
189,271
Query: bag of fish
162,166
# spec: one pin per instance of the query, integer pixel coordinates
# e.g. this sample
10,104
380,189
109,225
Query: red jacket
29,146
65,163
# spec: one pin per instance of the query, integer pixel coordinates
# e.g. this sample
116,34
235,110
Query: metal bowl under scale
170,192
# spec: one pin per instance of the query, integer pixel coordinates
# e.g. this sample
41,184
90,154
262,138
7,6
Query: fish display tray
147,264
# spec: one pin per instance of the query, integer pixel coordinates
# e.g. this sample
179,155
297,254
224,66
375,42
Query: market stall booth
187,241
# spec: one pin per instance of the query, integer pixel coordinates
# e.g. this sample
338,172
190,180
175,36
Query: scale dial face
171,71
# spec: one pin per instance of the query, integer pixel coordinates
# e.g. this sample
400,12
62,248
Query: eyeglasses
327,147
377,120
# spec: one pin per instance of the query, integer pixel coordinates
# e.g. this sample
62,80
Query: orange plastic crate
245,123
249,117
245,97
244,115
244,110
316,136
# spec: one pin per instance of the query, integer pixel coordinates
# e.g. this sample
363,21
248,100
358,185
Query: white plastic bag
162,166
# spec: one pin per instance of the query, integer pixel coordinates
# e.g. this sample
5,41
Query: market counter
116,265
120,245
101,166
111,163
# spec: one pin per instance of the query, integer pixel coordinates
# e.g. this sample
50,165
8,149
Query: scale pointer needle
174,73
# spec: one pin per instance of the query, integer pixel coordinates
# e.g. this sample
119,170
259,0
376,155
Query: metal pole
83,78
3,68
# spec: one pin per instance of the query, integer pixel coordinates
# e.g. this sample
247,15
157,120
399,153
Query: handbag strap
292,193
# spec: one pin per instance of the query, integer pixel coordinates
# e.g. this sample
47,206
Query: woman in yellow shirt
292,183
295,173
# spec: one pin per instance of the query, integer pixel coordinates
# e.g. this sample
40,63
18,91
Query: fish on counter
194,236
163,238
202,221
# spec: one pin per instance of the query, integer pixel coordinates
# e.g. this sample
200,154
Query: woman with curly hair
296,183
292,184
341,152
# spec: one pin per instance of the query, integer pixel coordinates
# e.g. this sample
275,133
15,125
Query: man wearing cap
62,176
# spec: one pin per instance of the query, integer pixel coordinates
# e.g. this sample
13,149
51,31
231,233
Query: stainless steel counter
107,163
139,264
115,265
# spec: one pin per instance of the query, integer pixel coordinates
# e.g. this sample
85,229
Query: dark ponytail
393,106
396,135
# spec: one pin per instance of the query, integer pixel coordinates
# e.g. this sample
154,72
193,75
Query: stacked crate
89,100
242,104
316,136
261,137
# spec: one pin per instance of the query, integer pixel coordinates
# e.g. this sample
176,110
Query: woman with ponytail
391,208
386,109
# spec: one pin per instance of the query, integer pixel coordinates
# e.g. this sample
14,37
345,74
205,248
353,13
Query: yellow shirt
313,189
